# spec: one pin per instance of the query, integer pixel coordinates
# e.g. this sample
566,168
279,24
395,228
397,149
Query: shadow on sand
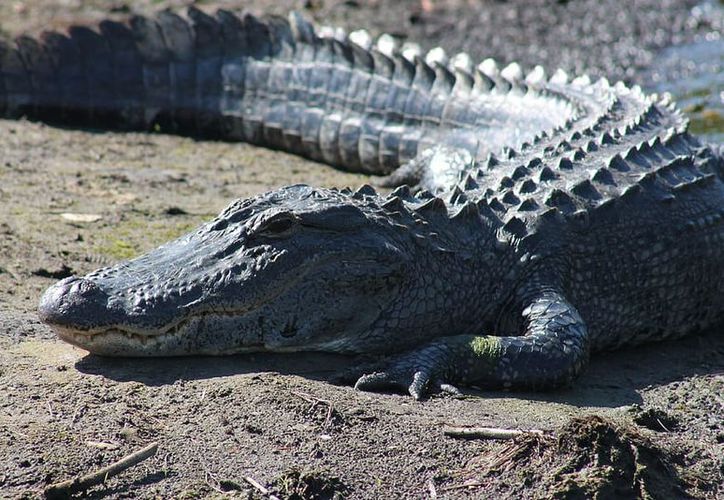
613,378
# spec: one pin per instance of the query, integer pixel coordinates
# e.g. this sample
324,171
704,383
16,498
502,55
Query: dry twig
256,484
487,432
314,401
71,486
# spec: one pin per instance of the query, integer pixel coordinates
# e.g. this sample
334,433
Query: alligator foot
418,373
550,352
433,169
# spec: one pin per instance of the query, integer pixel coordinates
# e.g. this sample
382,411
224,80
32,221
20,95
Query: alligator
534,219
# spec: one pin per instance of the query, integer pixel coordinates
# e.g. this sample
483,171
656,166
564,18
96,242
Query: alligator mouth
117,341
130,340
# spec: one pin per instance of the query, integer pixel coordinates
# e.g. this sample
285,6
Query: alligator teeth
361,38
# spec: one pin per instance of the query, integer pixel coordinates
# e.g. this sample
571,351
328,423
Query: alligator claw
415,385
418,383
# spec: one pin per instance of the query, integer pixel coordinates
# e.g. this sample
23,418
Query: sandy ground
71,201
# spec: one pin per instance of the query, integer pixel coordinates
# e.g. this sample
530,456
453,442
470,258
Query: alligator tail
161,73
267,81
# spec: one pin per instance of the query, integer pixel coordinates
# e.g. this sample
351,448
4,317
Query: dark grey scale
389,146
277,100
546,175
370,129
320,73
17,83
432,120
604,176
94,49
561,200
505,183
297,95
282,90
278,104
527,186
329,134
258,45
358,88
616,162
684,170
70,78
439,91
4,94
41,70
209,48
312,119
350,132
637,159
341,75
402,77
369,141
510,198
181,72
416,109
520,172
528,205
396,122
359,82
233,73
458,113
126,64
329,137
255,77
586,190
156,80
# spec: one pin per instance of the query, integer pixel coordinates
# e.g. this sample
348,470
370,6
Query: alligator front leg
551,352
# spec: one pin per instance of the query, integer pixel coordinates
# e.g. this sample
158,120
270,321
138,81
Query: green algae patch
486,347
118,249
708,121
129,239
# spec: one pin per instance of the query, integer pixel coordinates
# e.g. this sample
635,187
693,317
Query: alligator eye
278,226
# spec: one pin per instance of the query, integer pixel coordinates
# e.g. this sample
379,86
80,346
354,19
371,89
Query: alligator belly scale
534,220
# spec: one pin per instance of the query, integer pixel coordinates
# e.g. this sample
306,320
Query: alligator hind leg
552,351
435,169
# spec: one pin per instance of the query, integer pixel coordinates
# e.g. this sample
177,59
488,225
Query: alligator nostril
74,301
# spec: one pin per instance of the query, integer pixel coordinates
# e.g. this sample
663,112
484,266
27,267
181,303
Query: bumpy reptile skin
537,220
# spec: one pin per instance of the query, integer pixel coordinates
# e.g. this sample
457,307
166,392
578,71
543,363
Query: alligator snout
77,303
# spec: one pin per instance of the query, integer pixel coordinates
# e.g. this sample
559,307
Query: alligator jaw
119,342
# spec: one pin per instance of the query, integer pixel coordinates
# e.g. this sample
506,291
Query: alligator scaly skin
546,218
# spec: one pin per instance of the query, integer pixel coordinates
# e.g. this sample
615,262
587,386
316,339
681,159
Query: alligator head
295,269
